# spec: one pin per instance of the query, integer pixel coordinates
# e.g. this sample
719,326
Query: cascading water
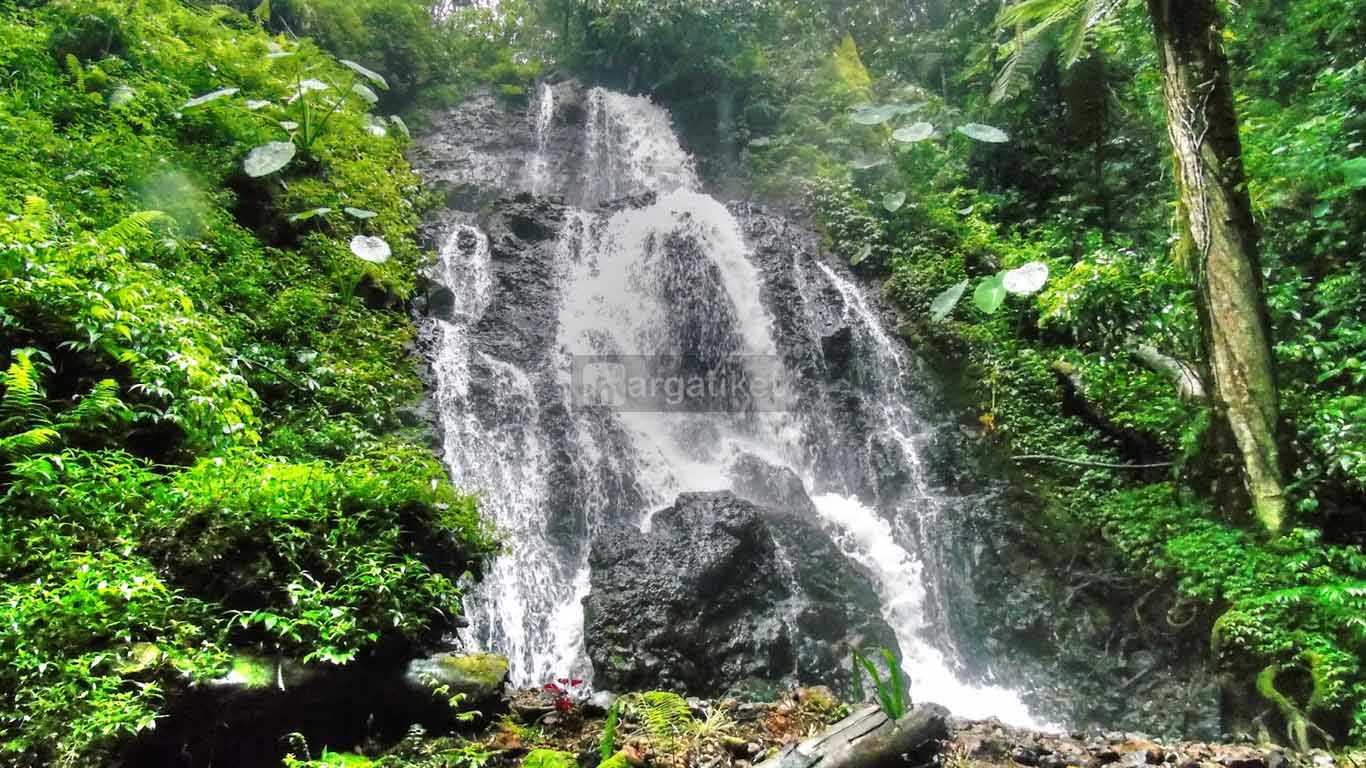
669,285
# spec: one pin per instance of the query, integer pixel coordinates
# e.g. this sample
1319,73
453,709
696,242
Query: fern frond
99,407
666,715
22,405
35,439
1026,56
131,231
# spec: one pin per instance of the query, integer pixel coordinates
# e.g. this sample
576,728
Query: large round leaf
870,115
359,213
368,74
893,201
268,158
306,215
371,249
866,163
208,97
944,303
985,133
122,96
990,294
913,133
1026,280
862,255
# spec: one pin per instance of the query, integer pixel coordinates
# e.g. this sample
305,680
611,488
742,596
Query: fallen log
870,739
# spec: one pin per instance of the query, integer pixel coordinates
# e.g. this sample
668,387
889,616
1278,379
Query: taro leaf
306,215
1354,171
861,256
367,95
986,133
208,97
1321,209
990,293
967,211
1026,280
375,127
371,249
401,126
255,104
122,96
268,158
360,213
893,201
875,115
913,133
866,163
762,141
370,75
308,86
289,125
944,303
909,109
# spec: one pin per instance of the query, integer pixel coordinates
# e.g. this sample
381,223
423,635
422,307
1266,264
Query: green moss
549,758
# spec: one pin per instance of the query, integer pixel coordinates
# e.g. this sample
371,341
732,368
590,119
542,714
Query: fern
131,231
1041,26
666,715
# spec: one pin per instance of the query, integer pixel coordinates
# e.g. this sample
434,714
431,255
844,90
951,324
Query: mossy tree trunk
1221,242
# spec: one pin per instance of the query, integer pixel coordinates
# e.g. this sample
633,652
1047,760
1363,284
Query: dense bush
200,447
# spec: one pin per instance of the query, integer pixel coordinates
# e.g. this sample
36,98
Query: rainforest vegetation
1128,233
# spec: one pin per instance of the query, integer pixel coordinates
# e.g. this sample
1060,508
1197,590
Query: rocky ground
531,724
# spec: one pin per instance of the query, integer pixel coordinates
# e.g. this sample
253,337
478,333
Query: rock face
715,597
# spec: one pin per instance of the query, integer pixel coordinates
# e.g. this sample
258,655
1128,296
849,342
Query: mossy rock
255,673
479,676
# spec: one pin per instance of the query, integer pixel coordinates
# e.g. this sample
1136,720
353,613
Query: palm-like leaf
1041,26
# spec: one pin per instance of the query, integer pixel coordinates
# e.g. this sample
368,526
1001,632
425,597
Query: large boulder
724,595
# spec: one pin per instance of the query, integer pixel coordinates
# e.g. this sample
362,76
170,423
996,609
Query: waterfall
669,289
538,170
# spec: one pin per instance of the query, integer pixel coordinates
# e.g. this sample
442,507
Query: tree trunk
1220,241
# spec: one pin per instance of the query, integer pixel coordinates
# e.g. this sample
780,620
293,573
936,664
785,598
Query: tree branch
1082,463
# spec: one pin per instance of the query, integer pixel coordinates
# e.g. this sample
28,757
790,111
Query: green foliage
548,758
665,715
199,407
891,691
607,746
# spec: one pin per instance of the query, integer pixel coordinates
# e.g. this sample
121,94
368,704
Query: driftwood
870,739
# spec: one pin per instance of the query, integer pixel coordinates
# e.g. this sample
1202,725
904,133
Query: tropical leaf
913,133
208,97
359,213
401,126
372,249
990,294
985,133
306,215
268,158
893,201
368,74
366,95
944,303
1026,280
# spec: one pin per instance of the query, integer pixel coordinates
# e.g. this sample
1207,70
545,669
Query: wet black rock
717,595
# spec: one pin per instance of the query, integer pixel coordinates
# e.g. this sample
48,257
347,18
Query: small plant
891,692
568,693
608,745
